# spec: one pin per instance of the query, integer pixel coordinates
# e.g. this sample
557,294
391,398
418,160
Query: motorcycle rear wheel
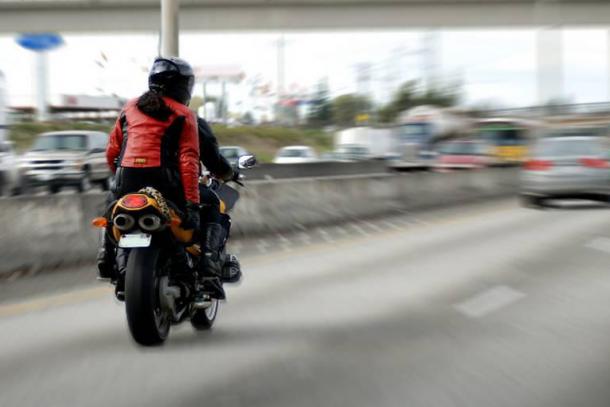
148,323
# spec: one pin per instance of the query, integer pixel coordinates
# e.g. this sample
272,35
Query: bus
421,128
508,138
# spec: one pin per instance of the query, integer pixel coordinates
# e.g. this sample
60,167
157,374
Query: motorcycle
157,261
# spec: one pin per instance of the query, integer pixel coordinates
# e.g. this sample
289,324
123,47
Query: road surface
489,305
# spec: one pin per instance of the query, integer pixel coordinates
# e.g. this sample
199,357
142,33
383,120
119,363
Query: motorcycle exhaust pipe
150,223
123,222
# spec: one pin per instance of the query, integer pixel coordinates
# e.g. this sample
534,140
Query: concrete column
549,52
170,28
224,103
608,62
205,99
431,59
42,107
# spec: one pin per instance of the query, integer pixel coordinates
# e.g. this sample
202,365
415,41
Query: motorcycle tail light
134,201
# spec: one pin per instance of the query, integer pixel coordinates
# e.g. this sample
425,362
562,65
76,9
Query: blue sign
40,42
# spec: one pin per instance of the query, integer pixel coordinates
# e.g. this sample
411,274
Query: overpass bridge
210,15
293,15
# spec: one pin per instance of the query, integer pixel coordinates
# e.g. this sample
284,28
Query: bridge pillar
549,51
42,86
170,28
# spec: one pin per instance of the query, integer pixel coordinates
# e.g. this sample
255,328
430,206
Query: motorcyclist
215,226
155,143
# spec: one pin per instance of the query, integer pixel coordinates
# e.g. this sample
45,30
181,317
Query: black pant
131,180
210,205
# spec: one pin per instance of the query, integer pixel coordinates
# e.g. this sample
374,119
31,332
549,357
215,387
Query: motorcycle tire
148,323
203,319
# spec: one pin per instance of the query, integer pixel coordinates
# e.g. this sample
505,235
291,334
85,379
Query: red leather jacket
146,137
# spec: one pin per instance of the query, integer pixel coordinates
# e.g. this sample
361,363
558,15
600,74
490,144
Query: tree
196,103
410,94
346,108
320,114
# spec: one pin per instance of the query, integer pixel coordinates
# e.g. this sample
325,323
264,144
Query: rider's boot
231,271
105,259
210,266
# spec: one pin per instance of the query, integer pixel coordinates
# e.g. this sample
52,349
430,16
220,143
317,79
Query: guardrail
43,232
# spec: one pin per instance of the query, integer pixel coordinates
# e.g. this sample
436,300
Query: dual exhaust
148,223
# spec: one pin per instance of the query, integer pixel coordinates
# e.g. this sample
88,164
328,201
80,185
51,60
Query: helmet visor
163,66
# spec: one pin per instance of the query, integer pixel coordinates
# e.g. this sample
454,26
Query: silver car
568,166
66,158
9,171
233,153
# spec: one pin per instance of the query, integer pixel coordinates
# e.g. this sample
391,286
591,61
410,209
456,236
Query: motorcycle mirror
246,161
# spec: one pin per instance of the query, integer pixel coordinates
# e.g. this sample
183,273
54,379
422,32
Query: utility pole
170,28
363,78
281,67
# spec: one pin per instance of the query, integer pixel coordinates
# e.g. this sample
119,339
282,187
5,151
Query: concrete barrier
53,231
316,169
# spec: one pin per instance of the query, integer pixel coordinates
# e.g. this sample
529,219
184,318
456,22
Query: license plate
135,240
44,177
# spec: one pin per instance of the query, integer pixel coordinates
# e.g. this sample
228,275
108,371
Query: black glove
191,218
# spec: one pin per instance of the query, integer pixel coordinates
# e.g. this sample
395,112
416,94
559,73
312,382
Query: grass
263,141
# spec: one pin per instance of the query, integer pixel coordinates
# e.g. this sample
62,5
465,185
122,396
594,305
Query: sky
496,67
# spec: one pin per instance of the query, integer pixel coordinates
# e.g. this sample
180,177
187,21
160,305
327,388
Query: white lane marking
372,226
599,243
235,248
262,245
326,236
359,230
305,238
405,222
391,225
340,230
284,242
489,301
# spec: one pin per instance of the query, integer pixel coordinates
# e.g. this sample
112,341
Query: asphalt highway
487,305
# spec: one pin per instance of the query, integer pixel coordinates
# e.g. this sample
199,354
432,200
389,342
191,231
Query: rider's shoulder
177,107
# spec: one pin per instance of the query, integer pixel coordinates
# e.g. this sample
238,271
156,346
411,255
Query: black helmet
172,77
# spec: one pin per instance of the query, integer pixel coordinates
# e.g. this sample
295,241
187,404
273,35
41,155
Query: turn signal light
594,162
134,201
538,165
99,222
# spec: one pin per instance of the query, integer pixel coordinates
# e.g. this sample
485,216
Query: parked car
9,170
66,158
462,154
572,166
295,155
232,153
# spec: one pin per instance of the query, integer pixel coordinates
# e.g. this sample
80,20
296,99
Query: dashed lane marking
359,230
54,301
326,236
391,225
489,301
599,243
